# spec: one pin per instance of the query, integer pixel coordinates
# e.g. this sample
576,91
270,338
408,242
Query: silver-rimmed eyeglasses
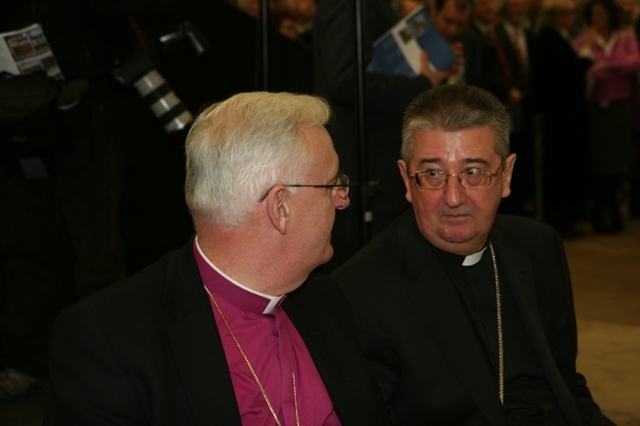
469,178
340,185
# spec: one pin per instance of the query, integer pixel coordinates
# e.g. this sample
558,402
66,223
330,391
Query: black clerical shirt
528,399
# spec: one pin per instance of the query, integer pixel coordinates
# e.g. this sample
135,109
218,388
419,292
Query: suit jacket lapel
518,273
320,349
197,347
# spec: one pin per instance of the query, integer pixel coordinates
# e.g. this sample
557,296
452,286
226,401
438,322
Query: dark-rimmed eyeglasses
340,185
469,178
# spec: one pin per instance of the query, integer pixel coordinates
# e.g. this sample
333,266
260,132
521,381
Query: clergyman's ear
510,162
278,208
402,167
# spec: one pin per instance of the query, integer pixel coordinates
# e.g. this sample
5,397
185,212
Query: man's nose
454,192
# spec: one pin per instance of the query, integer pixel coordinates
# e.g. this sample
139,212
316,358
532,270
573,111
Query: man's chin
455,236
328,253
326,256
462,243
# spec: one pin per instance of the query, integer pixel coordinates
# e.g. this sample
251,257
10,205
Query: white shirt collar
273,300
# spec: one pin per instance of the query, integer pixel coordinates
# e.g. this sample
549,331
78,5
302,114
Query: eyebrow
436,160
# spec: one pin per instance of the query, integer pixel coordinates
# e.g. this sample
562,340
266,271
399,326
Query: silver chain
499,317
253,372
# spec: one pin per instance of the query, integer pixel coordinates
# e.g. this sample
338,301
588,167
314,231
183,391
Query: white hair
238,149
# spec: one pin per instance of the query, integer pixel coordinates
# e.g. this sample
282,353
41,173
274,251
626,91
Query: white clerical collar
274,301
474,258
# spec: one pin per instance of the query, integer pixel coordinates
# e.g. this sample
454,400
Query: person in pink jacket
611,82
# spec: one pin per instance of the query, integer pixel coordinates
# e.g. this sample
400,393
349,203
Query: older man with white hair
228,330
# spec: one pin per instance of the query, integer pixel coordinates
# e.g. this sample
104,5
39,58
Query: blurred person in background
385,98
59,224
518,42
560,83
611,81
631,20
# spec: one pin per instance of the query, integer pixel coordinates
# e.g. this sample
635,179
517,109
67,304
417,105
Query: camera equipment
139,71
189,31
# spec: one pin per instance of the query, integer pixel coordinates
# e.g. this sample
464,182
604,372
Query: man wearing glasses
467,316
223,331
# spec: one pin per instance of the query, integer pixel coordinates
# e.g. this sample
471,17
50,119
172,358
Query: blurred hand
600,65
515,96
458,63
438,76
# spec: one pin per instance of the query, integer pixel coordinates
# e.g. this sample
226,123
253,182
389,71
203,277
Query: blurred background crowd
106,198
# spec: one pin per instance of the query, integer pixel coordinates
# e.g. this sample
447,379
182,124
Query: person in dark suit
385,98
223,331
61,177
483,25
452,20
560,82
518,42
466,316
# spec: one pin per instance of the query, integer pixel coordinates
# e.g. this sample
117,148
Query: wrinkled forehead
455,147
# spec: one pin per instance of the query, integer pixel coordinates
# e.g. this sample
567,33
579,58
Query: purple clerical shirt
274,348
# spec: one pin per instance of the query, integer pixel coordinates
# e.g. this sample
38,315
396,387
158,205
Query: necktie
502,57
517,46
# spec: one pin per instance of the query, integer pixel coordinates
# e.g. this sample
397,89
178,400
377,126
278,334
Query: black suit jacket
498,65
522,77
560,84
560,77
421,342
147,352
385,99
481,65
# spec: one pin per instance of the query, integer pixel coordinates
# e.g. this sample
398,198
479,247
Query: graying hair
239,148
452,108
